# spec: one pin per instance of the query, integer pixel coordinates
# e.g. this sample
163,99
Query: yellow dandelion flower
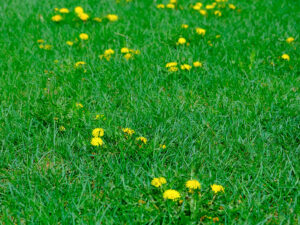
197,7
232,6
80,63
170,6
109,52
160,6
173,1
197,64
181,41
83,36
128,131
162,180
185,67
171,194
162,146
79,105
212,6
47,47
218,13
184,26
142,139
78,10
96,141
40,41
290,40
112,17
193,184
70,43
64,10
203,12
200,31
217,188
98,132
128,56
83,16
285,57
171,64
62,128
57,18
173,69
218,36
124,50
97,19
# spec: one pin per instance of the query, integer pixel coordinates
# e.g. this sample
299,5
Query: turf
233,122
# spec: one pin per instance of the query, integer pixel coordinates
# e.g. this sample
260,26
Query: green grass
233,122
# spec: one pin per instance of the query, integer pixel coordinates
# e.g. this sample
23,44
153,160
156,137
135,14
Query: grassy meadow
196,104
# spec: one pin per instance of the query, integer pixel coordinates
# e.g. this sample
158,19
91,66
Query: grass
233,122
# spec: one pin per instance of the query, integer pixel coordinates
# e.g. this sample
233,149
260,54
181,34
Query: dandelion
171,64
78,10
173,69
97,19
185,67
79,105
285,57
203,12
193,185
173,1
197,6
217,188
170,6
62,128
109,52
171,194
83,16
142,139
47,47
197,64
112,17
184,26
124,50
158,182
128,56
212,6
290,40
40,41
83,36
96,141
98,132
70,43
80,63
218,13
160,6
218,36
56,18
200,31
181,41
128,131
64,10
232,6
162,146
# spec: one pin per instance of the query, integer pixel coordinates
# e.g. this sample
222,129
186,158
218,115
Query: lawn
201,92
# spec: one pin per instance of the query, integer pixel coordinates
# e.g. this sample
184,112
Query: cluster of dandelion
96,140
81,15
127,53
173,66
190,196
171,5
